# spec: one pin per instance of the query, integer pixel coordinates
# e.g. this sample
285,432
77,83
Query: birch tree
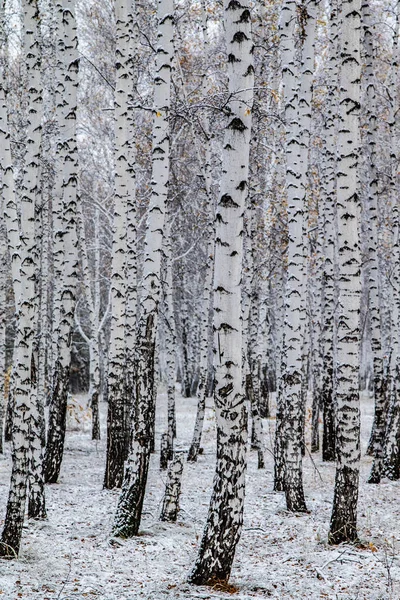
343,526
116,441
392,434
329,240
225,516
297,90
129,511
379,384
25,411
67,107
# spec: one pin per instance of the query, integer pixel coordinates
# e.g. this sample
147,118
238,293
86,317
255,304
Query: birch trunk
170,340
117,400
25,383
297,95
225,516
343,527
58,407
131,234
207,299
379,383
43,354
93,308
129,511
3,283
392,437
329,243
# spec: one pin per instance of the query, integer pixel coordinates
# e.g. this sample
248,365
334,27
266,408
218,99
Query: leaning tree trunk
129,511
58,406
225,516
25,382
343,527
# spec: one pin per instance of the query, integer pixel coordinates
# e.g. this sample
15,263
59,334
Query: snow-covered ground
280,555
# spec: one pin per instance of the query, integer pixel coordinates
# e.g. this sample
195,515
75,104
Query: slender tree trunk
379,383
42,354
131,236
25,388
36,498
329,249
3,263
170,339
58,407
392,437
225,517
93,308
116,433
129,511
297,94
207,299
343,527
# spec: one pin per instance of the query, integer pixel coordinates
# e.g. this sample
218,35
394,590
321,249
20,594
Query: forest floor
69,556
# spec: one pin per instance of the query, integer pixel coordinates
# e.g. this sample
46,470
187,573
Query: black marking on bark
239,37
228,202
237,124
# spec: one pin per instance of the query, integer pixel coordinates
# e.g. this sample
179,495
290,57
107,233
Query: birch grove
200,296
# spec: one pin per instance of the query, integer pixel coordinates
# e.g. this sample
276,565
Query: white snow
280,555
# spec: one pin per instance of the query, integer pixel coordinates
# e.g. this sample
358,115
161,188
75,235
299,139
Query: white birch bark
4,133
93,341
170,338
6,165
44,338
58,407
343,527
379,383
116,432
297,90
3,283
329,239
131,227
225,516
392,437
128,516
170,506
25,412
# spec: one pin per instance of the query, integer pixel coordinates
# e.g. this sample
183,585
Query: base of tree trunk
56,430
37,508
376,471
114,473
12,533
192,454
130,504
294,492
315,447
343,526
170,507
